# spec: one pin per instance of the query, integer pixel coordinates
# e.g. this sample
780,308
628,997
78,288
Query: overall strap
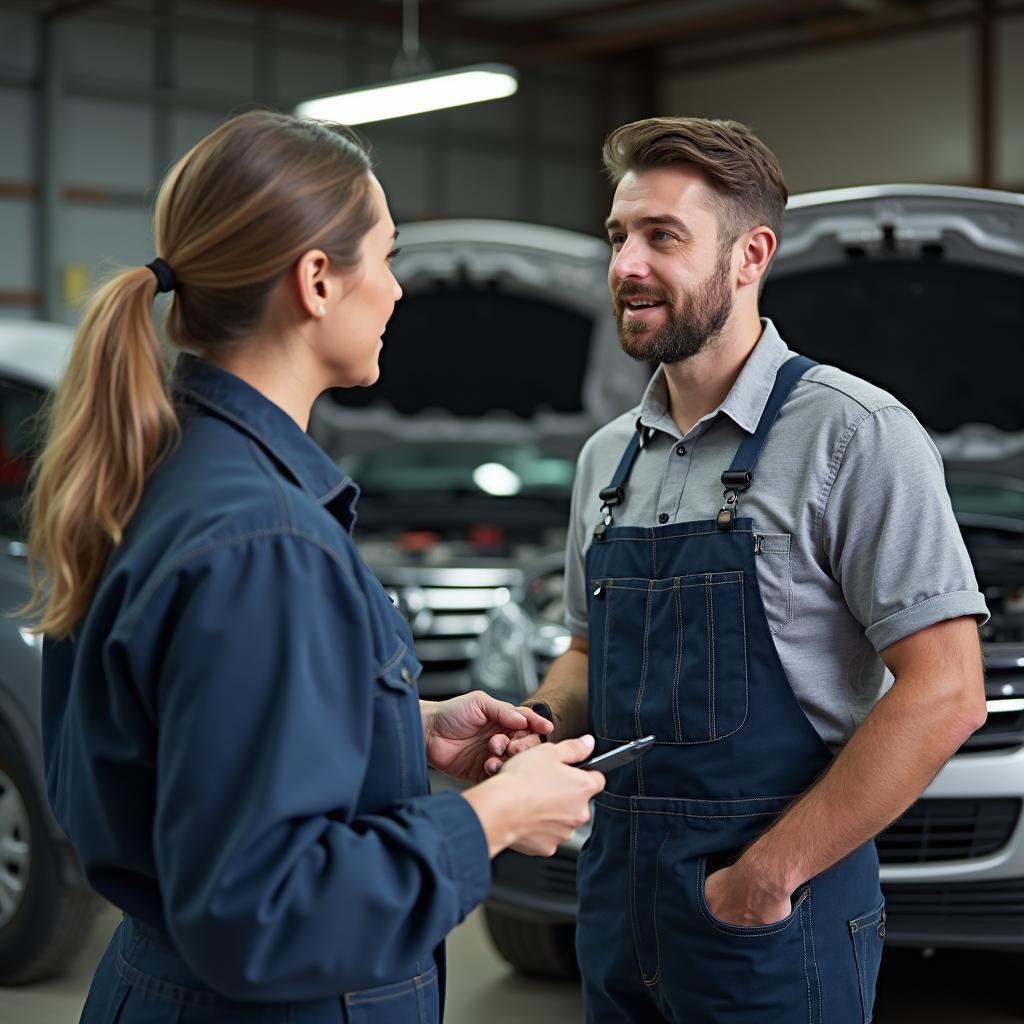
738,476
613,494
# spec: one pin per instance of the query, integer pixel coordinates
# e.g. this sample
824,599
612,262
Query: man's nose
630,262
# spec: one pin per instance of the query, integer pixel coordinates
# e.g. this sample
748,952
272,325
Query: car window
20,408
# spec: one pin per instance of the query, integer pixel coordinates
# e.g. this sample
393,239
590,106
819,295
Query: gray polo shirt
860,544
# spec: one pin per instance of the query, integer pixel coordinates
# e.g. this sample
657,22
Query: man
730,876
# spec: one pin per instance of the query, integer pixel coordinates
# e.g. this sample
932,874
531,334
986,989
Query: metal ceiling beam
869,31
433,20
753,16
579,14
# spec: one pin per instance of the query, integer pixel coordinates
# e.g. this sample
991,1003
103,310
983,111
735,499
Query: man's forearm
564,690
886,765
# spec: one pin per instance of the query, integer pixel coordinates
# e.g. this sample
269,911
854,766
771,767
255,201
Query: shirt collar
746,399
295,452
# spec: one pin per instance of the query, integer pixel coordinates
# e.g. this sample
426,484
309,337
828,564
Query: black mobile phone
618,756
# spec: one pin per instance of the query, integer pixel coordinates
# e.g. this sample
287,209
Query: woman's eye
393,254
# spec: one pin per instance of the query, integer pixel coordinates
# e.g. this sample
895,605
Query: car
46,907
881,281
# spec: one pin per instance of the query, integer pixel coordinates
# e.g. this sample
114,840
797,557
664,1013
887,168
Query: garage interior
99,97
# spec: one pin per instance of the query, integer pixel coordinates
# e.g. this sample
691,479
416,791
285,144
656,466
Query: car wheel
43,918
532,947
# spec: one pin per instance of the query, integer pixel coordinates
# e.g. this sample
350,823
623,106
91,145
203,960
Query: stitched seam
643,666
807,977
604,667
633,876
814,952
393,660
703,800
835,464
669,536
679,665
683,814
654,914
711,661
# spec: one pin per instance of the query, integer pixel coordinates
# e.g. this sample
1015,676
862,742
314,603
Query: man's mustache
628,291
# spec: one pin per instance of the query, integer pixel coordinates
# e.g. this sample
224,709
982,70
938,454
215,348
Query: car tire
534,948
50,918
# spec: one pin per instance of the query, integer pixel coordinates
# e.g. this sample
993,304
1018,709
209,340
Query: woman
232,735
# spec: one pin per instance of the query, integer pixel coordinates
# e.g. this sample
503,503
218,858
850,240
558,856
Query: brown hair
232,216
741,169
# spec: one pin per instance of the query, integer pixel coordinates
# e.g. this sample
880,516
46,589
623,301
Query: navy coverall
233,743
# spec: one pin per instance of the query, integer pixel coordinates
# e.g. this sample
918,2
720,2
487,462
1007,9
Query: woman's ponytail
111,422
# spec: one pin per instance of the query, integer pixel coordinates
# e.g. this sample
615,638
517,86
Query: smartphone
618,756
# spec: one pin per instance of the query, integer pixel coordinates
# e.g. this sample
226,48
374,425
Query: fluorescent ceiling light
417,95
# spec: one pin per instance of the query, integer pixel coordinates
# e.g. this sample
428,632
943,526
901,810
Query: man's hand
464,733
734,896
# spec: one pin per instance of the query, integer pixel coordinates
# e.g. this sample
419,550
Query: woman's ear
315,287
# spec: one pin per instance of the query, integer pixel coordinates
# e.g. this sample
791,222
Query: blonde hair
232,216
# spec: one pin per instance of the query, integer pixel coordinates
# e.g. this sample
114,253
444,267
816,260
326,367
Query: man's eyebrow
666,219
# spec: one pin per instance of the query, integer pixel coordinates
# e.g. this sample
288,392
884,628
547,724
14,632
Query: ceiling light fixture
416,88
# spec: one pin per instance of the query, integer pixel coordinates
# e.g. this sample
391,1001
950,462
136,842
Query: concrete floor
949,988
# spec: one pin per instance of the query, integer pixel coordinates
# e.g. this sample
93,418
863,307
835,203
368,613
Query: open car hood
919,289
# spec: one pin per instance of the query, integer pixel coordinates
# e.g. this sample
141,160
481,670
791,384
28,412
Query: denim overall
680,646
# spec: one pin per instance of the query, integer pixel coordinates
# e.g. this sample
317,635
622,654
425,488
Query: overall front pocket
868,935
763,974
669,657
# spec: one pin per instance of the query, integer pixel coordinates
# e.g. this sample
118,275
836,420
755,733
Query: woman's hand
538,799
464,733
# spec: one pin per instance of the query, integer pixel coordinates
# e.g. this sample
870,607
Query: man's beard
686,331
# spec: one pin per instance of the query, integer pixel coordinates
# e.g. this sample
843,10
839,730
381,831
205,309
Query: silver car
46,908
920,290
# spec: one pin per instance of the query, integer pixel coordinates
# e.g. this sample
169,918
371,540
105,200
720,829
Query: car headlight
505,665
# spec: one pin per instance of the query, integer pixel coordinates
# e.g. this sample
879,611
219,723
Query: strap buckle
726,518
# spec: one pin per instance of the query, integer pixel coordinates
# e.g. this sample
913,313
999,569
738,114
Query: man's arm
936,702
564,690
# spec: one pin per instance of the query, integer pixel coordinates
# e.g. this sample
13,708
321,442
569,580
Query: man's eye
661,236
616,239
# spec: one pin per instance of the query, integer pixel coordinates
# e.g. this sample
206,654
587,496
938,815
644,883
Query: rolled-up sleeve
889,532
274,887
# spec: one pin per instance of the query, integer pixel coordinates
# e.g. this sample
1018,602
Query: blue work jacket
232,735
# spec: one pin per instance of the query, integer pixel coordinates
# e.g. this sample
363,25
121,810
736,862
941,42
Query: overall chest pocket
669,657
397,761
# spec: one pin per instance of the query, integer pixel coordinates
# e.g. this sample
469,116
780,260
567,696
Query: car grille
1001,898
939,829
447,609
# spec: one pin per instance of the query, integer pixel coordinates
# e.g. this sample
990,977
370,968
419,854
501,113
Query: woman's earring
321,309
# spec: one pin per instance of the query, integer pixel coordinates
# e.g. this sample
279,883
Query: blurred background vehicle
46,908
879,281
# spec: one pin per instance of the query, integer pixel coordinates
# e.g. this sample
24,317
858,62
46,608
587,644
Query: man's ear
759,245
